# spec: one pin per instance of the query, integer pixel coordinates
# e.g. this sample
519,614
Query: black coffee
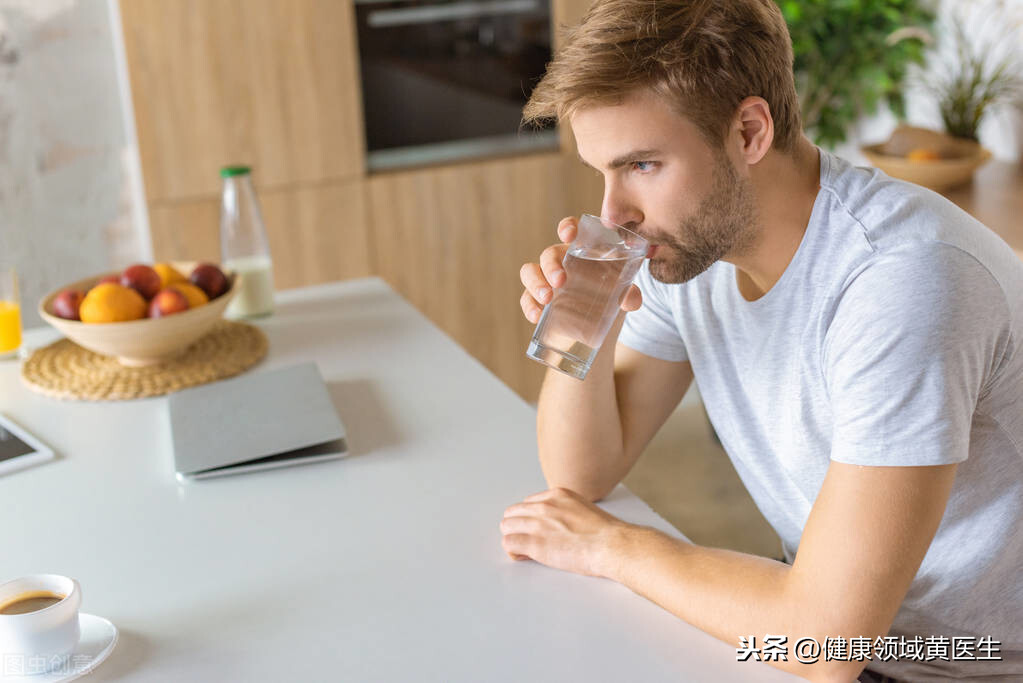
33,601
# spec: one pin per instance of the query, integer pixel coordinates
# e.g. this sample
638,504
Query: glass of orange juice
10,312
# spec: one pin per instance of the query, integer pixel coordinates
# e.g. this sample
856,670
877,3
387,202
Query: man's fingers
556,492
517,545
521,525
529,508
535,283
529,307
633,299
541,279
539,495
568,227
550,264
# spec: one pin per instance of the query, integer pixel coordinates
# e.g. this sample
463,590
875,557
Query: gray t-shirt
894,337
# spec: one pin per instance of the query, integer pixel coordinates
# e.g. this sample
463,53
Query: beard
724,223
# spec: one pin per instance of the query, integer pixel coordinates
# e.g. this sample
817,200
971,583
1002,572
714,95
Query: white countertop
384,566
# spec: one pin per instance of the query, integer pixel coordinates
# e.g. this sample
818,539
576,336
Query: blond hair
703,56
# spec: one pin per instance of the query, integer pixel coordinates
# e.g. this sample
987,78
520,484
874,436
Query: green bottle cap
231,171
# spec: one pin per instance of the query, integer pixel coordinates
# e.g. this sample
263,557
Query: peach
143,279
67,303
209,279
167,302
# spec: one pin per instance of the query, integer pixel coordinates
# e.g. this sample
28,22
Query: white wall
1002,130
71,200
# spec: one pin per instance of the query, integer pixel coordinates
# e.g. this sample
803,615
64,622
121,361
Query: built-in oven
446,80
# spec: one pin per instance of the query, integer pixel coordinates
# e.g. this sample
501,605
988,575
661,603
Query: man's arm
591,433
863,543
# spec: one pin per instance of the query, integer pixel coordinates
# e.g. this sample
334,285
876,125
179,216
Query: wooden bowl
937,174
141,342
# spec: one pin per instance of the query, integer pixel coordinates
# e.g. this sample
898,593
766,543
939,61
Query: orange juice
10,326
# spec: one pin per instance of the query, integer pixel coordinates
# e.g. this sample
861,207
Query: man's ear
756,128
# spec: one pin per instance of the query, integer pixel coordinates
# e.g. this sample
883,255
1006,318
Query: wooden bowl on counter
953,163
146,341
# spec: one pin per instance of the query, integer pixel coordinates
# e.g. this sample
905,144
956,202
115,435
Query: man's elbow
591,483
595,496
591,491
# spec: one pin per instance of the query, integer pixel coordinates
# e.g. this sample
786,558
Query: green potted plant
850,55
967,79
978,80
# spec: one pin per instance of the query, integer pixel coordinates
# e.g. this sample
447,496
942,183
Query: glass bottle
244,247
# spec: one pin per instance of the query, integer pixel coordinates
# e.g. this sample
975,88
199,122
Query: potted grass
967,82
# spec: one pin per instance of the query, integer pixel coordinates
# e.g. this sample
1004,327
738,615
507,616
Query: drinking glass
10,312
600,264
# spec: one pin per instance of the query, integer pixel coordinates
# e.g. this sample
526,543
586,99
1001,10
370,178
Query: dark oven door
447,80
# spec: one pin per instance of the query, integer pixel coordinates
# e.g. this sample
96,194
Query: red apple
65,304
167,302
209,279
143,279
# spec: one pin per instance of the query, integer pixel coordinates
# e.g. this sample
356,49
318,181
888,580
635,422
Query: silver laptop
256,421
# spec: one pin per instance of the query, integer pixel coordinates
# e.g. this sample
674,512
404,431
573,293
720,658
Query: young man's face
664,181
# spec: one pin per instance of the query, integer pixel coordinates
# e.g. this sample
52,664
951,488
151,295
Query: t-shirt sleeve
652,329
913,341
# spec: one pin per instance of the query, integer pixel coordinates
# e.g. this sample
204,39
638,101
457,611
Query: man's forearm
579,432
724,593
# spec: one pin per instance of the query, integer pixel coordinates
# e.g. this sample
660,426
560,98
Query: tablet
18,448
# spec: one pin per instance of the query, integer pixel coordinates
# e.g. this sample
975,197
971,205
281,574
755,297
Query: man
857,341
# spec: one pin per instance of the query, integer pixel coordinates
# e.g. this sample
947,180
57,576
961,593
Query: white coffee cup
43,640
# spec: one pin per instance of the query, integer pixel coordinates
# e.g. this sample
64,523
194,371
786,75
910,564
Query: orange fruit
168,274
110,303
195,296
923,154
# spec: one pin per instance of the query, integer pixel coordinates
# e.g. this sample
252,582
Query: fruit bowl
141,342
938,174
952,160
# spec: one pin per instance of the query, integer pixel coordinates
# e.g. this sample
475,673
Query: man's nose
619,208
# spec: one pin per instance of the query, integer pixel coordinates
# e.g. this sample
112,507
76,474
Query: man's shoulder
930,272
905,225
893,213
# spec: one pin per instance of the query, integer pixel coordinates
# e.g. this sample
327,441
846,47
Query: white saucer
97,642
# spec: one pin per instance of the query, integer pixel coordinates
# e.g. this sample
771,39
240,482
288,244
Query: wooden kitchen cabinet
268,83
318,233
451,240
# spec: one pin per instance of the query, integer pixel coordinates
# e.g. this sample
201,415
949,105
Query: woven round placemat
66,370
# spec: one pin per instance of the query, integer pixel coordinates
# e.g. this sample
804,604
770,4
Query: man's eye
643,166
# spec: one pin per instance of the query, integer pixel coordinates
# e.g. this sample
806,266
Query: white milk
255,294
